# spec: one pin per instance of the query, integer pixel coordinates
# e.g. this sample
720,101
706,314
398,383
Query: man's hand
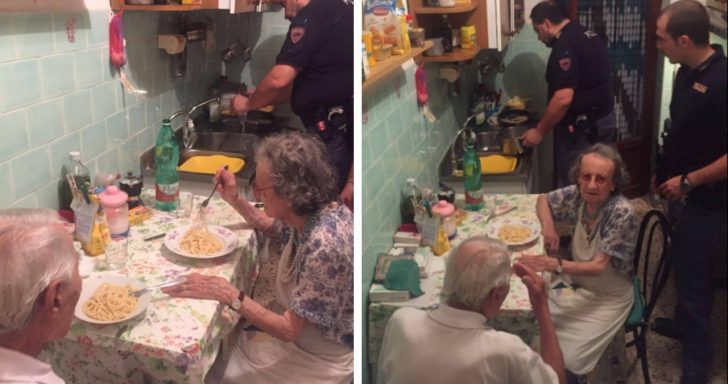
531,138
240,105
670,189
347,195
533,282
538,263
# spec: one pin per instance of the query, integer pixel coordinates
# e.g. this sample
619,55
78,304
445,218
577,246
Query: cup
184,208
117,252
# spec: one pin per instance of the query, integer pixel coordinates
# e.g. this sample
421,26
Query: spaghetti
512,234
198,241
110,302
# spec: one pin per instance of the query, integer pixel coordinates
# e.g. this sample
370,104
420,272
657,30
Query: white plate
229,239
533,225
89,287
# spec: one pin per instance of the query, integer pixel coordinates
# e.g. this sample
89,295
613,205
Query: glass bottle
166,157
81,176
473,180
411,196
446,32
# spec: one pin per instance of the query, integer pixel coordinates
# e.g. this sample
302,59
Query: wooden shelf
121,5
458,8
387,67
458,54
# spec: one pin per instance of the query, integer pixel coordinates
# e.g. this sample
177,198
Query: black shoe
666,327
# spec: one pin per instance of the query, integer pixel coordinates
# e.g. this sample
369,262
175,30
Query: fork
219,181
170,283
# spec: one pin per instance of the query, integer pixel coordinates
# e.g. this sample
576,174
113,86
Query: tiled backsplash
58,95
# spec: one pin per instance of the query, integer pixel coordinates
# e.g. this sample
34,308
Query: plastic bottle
166,157
473,181
117,211
411,196
80,174
446,32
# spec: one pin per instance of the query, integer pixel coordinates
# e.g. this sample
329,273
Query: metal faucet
467,130
189,136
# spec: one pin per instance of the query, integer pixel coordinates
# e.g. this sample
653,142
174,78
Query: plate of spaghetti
196,242
106,300
514,231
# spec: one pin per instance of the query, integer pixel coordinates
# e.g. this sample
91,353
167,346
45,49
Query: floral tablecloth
515,316
174,340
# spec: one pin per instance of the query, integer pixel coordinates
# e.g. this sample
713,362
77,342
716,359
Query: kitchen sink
238,143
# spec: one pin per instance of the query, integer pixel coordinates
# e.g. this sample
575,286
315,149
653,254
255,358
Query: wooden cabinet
235,6
472,12
495,23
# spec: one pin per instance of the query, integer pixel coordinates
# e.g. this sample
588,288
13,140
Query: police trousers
568,145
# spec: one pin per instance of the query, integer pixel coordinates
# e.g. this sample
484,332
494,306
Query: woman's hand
550,238
197,286
539,263
228,188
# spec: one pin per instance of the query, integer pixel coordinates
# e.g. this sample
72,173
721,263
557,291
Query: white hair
34,251
474,268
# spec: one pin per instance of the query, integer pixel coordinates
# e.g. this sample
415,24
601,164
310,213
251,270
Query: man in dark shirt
578,73
691,173
314,71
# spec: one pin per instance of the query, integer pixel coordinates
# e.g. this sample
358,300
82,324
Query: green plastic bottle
473,181
166,158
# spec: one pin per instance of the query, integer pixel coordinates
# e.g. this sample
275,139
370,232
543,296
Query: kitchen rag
117,57
404,275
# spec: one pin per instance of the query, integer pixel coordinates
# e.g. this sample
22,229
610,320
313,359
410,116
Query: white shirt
16,368
449,345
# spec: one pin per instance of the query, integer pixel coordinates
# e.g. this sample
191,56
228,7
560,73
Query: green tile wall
57,95
398,143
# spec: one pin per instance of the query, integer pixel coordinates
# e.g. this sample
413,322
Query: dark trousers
340,153
568,145
696,239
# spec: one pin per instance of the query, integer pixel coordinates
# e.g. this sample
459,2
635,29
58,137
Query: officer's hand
670,189
531,138
347,195
240,105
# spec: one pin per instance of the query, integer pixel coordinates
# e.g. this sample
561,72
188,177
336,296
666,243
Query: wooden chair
654,276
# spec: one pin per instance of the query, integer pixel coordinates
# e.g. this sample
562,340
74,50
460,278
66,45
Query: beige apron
261,358
588,318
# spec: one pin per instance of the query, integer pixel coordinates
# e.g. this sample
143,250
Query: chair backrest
654,273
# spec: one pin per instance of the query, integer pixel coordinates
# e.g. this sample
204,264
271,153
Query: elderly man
578,73
39,288
454,344
691,173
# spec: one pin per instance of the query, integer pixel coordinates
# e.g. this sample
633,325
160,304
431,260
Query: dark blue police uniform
696,137
320,44
579,60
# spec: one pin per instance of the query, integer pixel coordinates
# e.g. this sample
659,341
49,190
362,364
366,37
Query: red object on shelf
408,228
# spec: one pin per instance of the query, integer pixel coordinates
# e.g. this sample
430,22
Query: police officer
691,173
314,71
578,73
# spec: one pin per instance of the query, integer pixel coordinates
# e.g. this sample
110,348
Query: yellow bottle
406,45
366,37
442,244
468,38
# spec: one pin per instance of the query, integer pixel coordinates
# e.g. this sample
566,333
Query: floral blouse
617,224
324,292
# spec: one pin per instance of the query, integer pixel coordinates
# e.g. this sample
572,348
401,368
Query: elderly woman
39,288
603,239
313,338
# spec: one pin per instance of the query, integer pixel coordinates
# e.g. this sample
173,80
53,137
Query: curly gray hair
607,152
474,268
300,170
34,251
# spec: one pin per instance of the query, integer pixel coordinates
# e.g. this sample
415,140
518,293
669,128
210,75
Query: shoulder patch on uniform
565,63
590,34
297,34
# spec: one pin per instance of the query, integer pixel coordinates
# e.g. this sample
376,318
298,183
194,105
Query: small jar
447,217
115,206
